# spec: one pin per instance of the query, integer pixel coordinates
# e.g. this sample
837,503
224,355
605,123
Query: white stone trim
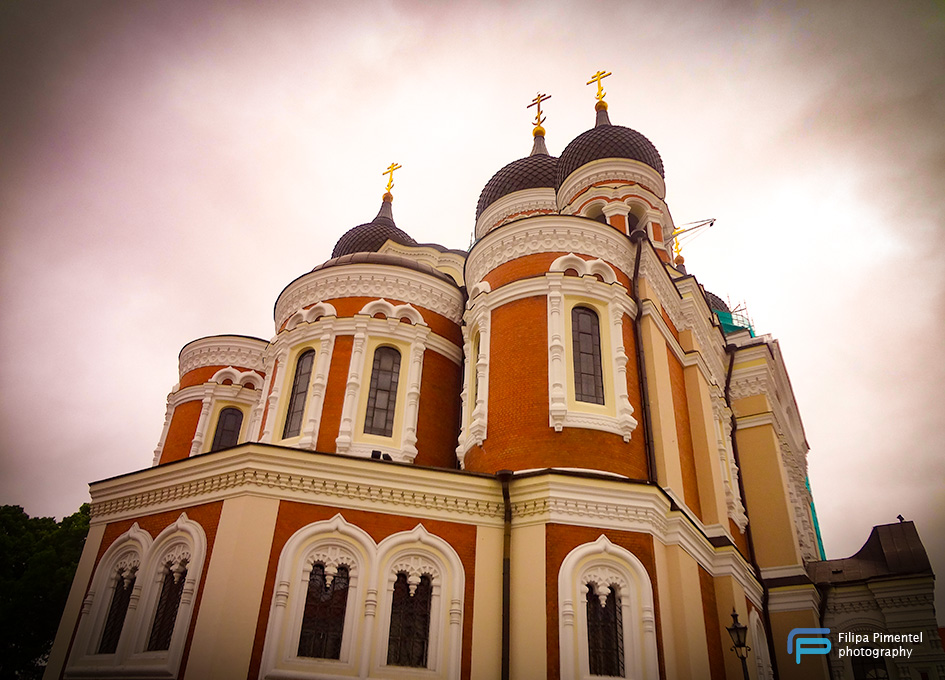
445,262
475,416
371,280
333,542
584,267
511,207
213,394
548,234
310,315
183,543
759,644
241,378
382,306
223,350
606,565
623,170
793,599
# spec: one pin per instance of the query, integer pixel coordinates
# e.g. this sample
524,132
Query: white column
273,400
203,422
353,386
167,425
557,371
625,420
313,407
412,407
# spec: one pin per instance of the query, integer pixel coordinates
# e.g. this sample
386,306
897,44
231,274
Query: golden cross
390,175
600,90
537,102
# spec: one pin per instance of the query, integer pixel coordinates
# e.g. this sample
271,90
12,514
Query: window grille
605,634
410,623
323,620
382,398
117,610
303,372
228,429
166,615
585,338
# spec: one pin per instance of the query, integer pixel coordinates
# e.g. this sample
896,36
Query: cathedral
552,455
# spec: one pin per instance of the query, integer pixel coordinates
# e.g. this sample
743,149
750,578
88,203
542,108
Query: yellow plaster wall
705,448
70,617
730,595
528,626
685,649
229,607
766,496
665,443
487,605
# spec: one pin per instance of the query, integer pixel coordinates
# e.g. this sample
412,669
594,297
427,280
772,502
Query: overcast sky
166,168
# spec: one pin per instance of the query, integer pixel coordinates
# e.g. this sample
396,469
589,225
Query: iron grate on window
117,610
605,634
166,615
410,623
323,620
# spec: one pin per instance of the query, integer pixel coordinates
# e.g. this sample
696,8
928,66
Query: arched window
410,622
323,619
172,587
382,398
228,429
118,609
293,416
585,342
604,630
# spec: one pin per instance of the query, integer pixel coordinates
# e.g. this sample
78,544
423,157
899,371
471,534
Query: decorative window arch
296,408
334,545
310,315
156,621
227,434
617,578
386,309
424,561
759,644
249,379
584,267
373,572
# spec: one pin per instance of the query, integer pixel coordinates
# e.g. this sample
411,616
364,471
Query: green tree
38,559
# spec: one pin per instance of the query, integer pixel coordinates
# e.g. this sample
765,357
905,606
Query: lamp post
739,633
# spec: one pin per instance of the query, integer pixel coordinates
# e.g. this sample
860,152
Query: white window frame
602,562
183,537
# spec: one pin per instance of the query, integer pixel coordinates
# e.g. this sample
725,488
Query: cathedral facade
541,457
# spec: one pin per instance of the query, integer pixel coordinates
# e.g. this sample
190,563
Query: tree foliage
40,556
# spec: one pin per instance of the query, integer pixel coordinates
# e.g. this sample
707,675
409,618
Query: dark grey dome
532,172
715,302
607,141
368,238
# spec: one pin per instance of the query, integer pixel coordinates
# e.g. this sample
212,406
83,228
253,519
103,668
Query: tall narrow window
585,341
228,429
117,610
303,372
410,622
166,615
605,633
383,395
323,619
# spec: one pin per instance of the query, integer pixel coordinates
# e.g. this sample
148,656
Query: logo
808,645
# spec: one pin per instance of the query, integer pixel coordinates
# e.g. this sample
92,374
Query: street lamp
739,633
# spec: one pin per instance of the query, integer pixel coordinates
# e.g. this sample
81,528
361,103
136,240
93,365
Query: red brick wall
180,434
207,516
293,516
559,541
536,265
439,411
519,436
334,393
713,632
687,457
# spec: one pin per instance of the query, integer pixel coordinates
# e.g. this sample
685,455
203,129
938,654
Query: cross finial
597,77
539,119
390,175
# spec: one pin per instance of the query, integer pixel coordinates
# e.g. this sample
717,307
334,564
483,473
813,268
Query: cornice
518,202
609,170
370,280
428,255
547,234
223,350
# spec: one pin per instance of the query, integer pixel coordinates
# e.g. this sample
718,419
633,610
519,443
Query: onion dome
716,303
369,237
535,171
607,141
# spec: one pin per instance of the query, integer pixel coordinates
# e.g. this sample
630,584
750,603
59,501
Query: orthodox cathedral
552,455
